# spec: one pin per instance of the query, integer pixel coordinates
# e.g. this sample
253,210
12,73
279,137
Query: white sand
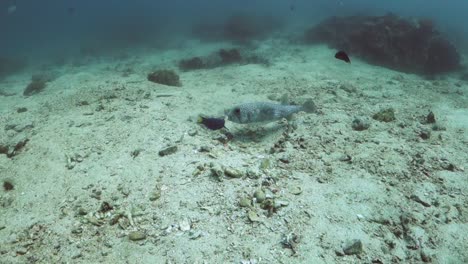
197,219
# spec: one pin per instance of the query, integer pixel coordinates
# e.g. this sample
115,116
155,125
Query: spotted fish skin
264,112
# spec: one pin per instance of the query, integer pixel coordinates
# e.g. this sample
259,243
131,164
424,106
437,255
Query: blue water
47,28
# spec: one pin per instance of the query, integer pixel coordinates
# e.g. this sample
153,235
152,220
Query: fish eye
237,110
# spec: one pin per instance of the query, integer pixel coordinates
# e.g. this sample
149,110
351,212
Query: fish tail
309,106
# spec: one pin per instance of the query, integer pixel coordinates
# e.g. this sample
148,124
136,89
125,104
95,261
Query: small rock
253,216
360,124
353,247
195,234
253,174
245,202
184,225
424,133
136,152
233,173
424,256
155,195
284,158
216,171
205,148
21,110
417,199
77,255
259,196
265,164
438,127
136,235
430,118
339,252
21,251
166,77
168,151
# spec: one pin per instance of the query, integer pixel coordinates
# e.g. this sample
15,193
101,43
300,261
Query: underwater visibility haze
281,131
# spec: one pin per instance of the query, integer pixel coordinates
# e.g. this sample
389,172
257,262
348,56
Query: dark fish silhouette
341,55
212,122
71,10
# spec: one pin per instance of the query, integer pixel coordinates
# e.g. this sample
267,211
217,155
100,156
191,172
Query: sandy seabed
90,185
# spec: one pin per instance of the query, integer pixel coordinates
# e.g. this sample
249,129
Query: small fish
212,123
341,55
265,111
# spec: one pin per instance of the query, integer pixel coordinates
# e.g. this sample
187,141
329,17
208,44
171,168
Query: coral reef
192,64
390,41
220,58
229,56
166,77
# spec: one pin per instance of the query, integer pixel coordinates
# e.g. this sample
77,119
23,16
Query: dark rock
390,41
21,109
438,127
8,186
4,149
360,124
34,87
168,151
16,149
385,115
166,77
425,257
353,247
424,133
418,199
430,118
230,56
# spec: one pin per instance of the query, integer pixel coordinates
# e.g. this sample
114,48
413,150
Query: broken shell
184,225
296,190
253,216
95,221
195,234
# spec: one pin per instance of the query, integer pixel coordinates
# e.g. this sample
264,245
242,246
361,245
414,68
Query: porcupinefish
265,111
